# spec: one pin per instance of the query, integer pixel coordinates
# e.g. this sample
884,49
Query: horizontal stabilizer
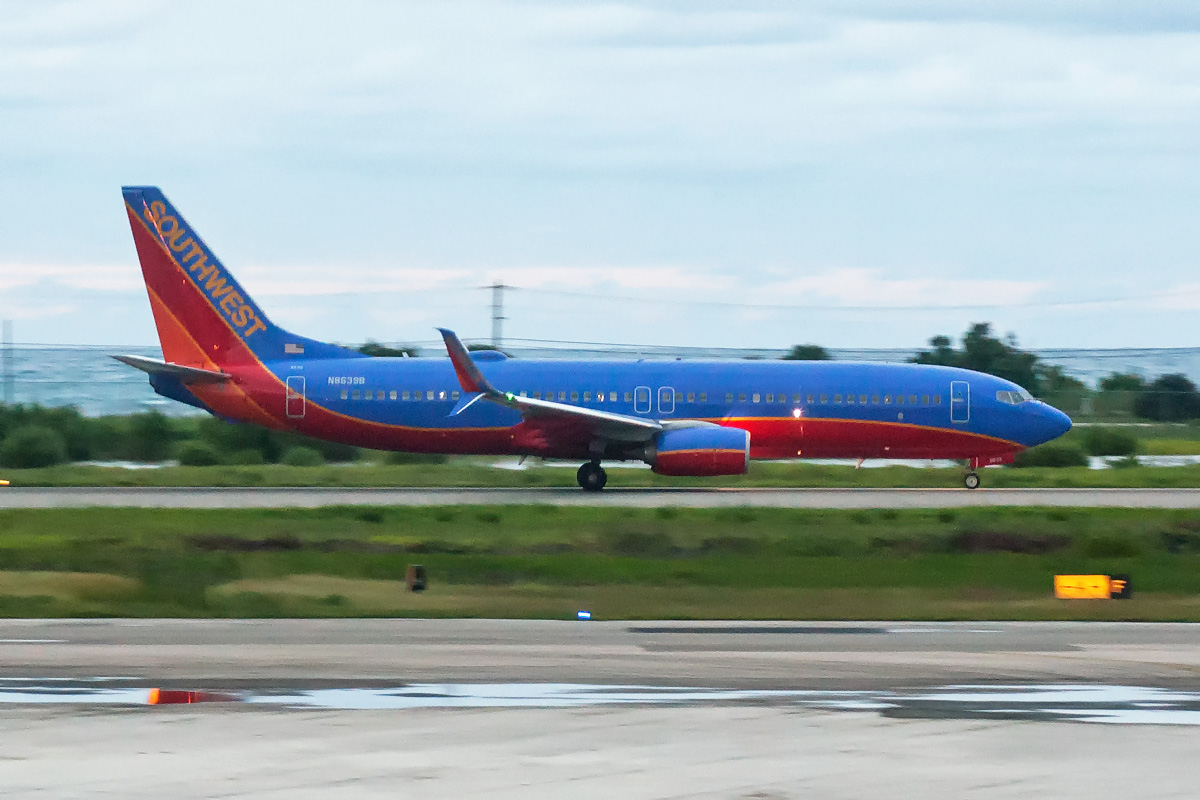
185,374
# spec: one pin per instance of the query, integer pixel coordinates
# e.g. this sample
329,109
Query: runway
224,654
537,709
305,497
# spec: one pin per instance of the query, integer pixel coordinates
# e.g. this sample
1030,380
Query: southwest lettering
230,302
215,286
257,326
209,278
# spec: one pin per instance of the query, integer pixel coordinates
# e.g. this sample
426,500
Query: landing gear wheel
971,480
591,476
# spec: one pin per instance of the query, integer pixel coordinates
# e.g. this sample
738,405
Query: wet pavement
1036,702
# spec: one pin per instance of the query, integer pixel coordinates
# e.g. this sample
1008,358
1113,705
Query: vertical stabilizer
204,317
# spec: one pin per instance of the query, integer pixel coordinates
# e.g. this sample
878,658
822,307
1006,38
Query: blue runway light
584,615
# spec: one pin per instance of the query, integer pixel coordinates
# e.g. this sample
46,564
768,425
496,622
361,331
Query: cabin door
960,401
295,396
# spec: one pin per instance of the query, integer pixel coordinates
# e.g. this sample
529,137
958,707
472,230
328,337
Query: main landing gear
591,476
971,480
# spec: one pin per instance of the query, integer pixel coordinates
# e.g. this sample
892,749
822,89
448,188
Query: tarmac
308,497
542,709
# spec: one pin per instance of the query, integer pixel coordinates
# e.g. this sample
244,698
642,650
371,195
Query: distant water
89,379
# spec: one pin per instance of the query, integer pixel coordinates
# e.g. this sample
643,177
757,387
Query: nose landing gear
971,480
591,476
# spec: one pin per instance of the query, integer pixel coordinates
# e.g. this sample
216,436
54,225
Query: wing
601,424
185,374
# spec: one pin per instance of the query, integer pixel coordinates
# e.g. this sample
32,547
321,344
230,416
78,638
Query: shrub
246,457
1051,455
198,454
302,457
33,446
398,457
150,436
1110,442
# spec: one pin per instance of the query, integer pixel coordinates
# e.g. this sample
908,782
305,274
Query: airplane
684,418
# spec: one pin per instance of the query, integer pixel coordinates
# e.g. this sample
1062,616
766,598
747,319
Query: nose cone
1052,424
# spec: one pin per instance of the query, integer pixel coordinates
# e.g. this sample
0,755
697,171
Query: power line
661,300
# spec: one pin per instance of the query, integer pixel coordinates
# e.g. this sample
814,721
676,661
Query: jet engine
707,450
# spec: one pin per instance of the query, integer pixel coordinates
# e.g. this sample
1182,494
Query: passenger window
887,399
771,398
837,399
679,397
810,400
599,397
691,397
937,399
757,397
522,393
345,394
612,397
587,397
454,395
429,395
537,395
394,395
704,397
405,396
796,398
380,394
924,399
629,397
823,401
912,399
782,397
874,399
357,394
850,399
574,397
742,397
728,397
442,394
900,399
862,399
562,395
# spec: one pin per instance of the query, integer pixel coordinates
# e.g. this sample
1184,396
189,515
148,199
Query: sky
852,173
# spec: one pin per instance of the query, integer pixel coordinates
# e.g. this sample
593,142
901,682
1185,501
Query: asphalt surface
245,653
305,497
876,710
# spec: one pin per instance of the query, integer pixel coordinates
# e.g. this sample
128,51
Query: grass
541,561
467,473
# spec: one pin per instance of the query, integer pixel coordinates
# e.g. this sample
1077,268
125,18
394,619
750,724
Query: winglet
469,374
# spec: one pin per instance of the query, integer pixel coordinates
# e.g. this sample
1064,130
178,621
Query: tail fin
204,317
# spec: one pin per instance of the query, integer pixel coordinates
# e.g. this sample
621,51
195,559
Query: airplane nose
1055,423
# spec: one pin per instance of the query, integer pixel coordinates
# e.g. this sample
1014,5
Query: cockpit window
1013,398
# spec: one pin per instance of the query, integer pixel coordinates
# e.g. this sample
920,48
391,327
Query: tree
807,352
1170,398
983,352
1122,382
374,348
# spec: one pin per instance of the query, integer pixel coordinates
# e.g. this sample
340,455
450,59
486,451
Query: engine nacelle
708,450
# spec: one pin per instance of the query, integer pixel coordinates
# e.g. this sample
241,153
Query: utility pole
498,313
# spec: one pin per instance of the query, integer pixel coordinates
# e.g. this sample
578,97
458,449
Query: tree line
1167,398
